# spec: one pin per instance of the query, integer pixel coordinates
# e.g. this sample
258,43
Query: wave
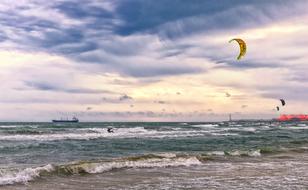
246,129
183,123
279,150
25,175
53,134
256,152
117,130
19,126
250,153
159,160
205,125
224,134
23,131
294,128
230,128
9,126
94,167
94,133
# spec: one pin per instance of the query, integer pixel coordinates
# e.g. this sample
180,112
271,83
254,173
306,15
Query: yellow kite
242,47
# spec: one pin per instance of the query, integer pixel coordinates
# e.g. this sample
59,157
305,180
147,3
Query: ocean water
223,155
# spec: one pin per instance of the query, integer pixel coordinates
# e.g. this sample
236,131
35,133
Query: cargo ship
73,120
292,117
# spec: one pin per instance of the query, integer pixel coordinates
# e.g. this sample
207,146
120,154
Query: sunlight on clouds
19,58
58,58
274,30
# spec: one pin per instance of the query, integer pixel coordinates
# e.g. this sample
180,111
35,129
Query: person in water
110,130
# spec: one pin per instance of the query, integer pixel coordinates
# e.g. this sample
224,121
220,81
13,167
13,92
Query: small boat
73,120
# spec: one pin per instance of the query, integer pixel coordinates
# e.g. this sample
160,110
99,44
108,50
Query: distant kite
282,102
242,45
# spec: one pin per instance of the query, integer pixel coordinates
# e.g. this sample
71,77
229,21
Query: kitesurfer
110,130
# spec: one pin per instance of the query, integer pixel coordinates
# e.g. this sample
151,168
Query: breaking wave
159,160
23,176
92,167
95,133
250,153
205,125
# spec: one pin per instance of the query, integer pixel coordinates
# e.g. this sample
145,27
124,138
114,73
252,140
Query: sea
140,156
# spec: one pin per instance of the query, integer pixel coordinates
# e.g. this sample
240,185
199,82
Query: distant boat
230,117
73,120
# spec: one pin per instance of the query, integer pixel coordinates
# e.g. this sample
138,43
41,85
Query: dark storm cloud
144,16
148,15
244,106
163,70
175,50
148,114
160,102
245,65
81,10
94,36
295,92
125,97
53,87
299,76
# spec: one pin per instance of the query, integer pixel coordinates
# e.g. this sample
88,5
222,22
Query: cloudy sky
146,60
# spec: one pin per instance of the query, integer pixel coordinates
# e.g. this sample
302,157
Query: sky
146,60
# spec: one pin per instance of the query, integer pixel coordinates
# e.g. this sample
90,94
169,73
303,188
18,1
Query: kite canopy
282,102
242,45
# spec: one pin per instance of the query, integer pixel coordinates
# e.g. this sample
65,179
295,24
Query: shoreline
236,173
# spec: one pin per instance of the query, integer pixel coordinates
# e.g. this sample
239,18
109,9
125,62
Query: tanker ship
73,120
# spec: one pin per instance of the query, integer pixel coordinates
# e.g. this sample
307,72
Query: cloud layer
144,56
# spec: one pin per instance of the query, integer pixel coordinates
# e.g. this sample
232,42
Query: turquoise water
30,152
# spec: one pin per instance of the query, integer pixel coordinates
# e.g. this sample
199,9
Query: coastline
275,171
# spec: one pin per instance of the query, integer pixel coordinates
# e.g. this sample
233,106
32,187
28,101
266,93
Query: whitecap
148,163
23,176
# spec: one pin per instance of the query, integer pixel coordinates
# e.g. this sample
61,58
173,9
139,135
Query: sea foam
23,176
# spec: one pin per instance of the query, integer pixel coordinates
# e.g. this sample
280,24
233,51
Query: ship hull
65,121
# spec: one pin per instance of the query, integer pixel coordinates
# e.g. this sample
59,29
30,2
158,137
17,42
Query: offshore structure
292,117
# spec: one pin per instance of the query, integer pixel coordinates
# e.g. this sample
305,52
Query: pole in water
230,118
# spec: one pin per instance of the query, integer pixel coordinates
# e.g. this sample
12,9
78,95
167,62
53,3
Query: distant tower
230,118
